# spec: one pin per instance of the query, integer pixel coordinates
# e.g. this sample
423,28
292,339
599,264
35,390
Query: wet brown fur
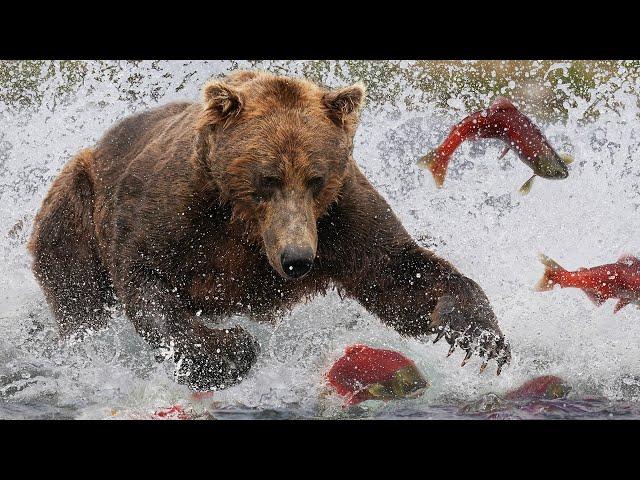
169,214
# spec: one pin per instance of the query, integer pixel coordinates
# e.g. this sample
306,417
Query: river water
479,221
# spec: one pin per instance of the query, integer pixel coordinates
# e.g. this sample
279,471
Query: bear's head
278,149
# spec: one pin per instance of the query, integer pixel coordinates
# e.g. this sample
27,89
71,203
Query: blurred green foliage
549,88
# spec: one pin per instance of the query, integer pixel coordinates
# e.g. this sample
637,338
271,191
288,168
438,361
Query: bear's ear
342,103
239,77
222,102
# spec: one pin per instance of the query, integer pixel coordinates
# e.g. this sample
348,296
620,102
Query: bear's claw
465,318
487,345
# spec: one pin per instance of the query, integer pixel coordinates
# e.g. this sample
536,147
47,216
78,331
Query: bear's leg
66,262
371,257
207,359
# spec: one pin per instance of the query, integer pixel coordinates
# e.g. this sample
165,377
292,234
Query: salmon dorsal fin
628,259
502,103
355,349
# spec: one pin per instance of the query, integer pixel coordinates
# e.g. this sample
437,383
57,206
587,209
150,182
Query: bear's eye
315,184
265,187
270,182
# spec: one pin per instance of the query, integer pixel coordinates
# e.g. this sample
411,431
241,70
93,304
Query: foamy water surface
479,221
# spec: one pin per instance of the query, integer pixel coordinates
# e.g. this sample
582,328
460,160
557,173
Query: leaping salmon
502,120
619,280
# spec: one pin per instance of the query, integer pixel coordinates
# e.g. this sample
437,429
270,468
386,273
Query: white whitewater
478,220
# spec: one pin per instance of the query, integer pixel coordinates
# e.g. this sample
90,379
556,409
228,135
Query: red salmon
175,412
365,373
547,386
502,120
620,280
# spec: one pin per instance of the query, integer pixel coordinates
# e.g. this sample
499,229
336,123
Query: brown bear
245,204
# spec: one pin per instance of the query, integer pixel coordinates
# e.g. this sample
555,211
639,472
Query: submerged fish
502,120
619,280
548,387
365,373
175,412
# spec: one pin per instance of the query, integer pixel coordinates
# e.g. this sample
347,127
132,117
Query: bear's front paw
220,360
465,318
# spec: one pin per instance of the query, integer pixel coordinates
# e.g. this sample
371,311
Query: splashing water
478,221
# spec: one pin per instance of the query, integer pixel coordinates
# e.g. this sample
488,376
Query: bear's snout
297,262
289,234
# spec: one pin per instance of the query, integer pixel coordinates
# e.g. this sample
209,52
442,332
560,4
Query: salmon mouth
408,382
556,172
417,392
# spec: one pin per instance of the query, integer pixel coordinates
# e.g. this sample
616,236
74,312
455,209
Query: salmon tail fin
436,164
502,103
547,282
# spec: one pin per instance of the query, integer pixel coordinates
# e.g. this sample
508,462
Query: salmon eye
315,184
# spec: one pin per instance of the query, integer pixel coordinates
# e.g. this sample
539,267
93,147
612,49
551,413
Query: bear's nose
296,262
